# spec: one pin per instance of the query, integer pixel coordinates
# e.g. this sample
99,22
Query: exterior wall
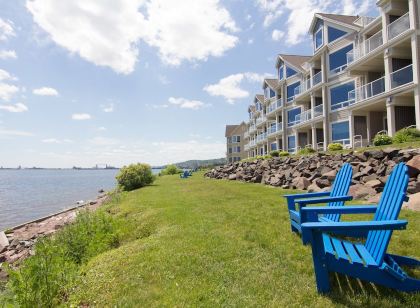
237,155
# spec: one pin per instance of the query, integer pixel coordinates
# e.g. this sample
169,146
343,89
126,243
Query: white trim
335,122
330,72
340,83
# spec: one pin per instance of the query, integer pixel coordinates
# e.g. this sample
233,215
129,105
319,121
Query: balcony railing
252,128
262,137
318,110
399,26
338,69
366,47
317,78
363,21
275,105
309,114
402,76
367,91
344,104
272,129
260,120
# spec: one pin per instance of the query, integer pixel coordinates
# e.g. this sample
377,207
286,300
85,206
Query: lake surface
30,194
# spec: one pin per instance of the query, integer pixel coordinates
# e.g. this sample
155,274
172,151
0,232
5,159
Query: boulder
413,202
301,183
413,187
232,177
314,188
360,191
414,166
374,183
329,175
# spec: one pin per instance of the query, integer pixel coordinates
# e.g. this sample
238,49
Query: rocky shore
317,172
17,243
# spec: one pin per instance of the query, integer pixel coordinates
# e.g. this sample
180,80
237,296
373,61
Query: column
314,141
312,104
415,55
351,128
390,115
368,127
326,102
296,140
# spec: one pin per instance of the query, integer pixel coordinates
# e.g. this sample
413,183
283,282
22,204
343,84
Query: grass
202,242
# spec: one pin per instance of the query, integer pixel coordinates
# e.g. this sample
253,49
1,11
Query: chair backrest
389,207
340,187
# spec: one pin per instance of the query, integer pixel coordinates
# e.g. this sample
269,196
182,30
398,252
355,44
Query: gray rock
301,183
232,177
360,191
374,183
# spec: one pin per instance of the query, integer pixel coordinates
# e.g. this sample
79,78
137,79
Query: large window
291,116
269,93
281,71
290,72
291,91
340,132
273,146
340,95
334,33
291,143
338,59
318,34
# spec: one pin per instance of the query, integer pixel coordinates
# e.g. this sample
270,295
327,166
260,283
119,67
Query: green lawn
203,242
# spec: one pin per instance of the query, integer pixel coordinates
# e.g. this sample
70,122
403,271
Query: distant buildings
362,79
235,142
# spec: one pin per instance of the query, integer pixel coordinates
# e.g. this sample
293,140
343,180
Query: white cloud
56,141
101,128
108,108
107,33
5,75
250,41
186,103
8,54
10,132
45,91
230,87
103,141
19,107
6,29
7,91
277,35
81,116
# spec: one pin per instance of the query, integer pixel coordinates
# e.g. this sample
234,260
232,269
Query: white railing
399,26
252,128
318,111
342,104
320,145
272,129
293,123
262,137
275,105
260,119
317,78
338,69
300,89
369,90
305,116
344,142
373,42
402,76
363,21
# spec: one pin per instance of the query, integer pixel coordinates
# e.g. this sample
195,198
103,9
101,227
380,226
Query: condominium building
362,79
235,141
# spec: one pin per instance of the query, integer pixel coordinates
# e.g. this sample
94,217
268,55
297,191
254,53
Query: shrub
284,153
382,139
170,170
335,147
406,135
274,153
135,176
306,151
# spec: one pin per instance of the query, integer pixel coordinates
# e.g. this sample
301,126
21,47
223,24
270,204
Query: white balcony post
314,141
416,70
385,23
390,117
388,71
351,128
296,141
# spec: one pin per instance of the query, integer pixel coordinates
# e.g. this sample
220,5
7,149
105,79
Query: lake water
30,194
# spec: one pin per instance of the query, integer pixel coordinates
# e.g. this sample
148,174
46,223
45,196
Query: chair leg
320,265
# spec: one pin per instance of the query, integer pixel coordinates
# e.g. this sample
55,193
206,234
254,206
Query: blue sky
85,82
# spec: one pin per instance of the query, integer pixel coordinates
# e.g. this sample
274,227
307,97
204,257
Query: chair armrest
304,202
308,195
348,209
360,225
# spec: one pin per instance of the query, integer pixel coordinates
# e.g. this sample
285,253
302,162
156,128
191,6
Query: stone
4,241
414,166
329,175
413,187
391,152
301,183
232,177
413,202
375,199
374,183
360,191
314,188
322,183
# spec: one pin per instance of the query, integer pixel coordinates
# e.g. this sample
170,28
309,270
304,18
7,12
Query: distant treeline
195,164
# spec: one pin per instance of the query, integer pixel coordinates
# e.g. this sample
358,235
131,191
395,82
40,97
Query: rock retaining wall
317,172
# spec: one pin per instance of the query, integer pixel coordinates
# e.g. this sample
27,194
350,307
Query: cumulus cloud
7,91
56,141
12,133
277,35
186,103
107,33
6,29
230,87
8,54
45,91
5,75
19,107
108,108
81,116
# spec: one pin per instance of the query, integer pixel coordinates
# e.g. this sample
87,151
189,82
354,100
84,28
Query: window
269,93
273,146
291,116
230,150
281,71
334,33
290,72
338,59
340,132
340,95
291,91
318,34
236,139
291,143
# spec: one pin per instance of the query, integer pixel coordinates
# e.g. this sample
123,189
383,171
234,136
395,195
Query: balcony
261,137
273,129
246,134
309,84
261,119
339,69
274,106
367,91
402,76
363,21
252,128
316,79
310,114
399,26
366,47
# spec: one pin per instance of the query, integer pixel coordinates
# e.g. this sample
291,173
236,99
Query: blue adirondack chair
334,198
368,261
184,175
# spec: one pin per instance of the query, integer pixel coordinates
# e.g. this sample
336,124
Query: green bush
406,135
45,279
135,176
335,147
306,151
382,139
284,153
170,170
274,153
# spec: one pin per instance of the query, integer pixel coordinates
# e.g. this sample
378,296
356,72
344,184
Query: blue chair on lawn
368,261
334,198
184,175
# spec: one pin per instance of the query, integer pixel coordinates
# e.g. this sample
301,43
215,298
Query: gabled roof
260,98
271,82
295,60
344,20
232,129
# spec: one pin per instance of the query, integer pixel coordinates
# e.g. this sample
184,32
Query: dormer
269,87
